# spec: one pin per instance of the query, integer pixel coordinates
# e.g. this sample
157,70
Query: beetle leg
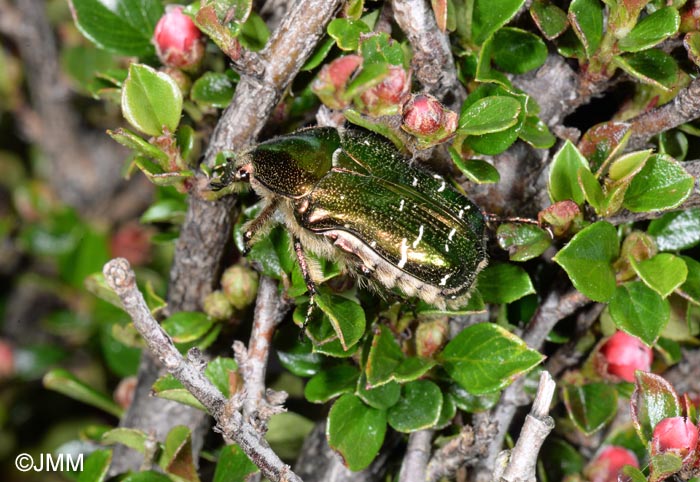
310,285
255,225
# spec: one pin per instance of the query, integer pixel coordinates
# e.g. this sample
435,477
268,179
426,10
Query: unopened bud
638,246
385,97
131,241
607,466
217,306
124,393
178,41
563,217
240,285
332,80
622,355
676,435
428,120
431,336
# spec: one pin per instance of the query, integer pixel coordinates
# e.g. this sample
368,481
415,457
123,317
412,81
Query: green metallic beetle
350,196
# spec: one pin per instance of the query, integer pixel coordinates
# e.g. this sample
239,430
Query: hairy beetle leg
310,285
257,224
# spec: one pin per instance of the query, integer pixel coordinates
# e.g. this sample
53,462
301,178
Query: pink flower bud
384,98
608,464
623,354
677,435
330,84
178,41
133,242
427,119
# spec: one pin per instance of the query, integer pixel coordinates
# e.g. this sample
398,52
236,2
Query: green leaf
522,241
536,133
96,466
490,114
676,231
187,326
213,89
385,356
121,26
586,18
130,437
563,174
661,184
176,458
219,372
62,381
418,408
165,211
550,19
691,287
639,311
663,466
518,51
254,33
587,259
476,170
590,406
663,273
286,433
604,141
504,283
651,67
347,32
233,465
382,397
331,383
472,403
380,48
490,15
627,166
691,42
633,473
413,367
651,30
355,431
147,476
653,400
346,316
151,100
169,388
298,357
485,357
132,141
591,189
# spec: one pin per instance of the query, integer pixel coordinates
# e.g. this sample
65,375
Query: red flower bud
131,241
178,41
427,119
330,84
623,354
607,465
677,435
384,98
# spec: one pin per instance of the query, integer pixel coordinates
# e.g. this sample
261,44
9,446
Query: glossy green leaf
640,311
522,241
490,15
331,383
213,89
586,18
132,141
651,30
121,26
355,431
663,273
663,466
418,408
490,114
550,19
634,474
536,133
147,476
298,357
233,465
661,184
485,357
587,259
151,100
219,371
347,32
346,316
381,397
286,433
653,400
504,283
96,466
691,42
64,382
651,66
254,33
131,437
472,403
171,389
412,368
676,231
591,188
590,406
604,141
385,356
691,287
380,48
628,165
476,170
176,458
165,211
447,412
518,51
563,174
187,326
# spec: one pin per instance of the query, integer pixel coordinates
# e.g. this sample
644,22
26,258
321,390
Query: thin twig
415,461
190,372
538,424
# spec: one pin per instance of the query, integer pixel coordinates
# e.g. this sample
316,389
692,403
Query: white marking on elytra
373,244
420,236
447,248
460,214
452,233
342,197
443,185
334,157
444,279
467,207
401,205
404,253
415,182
